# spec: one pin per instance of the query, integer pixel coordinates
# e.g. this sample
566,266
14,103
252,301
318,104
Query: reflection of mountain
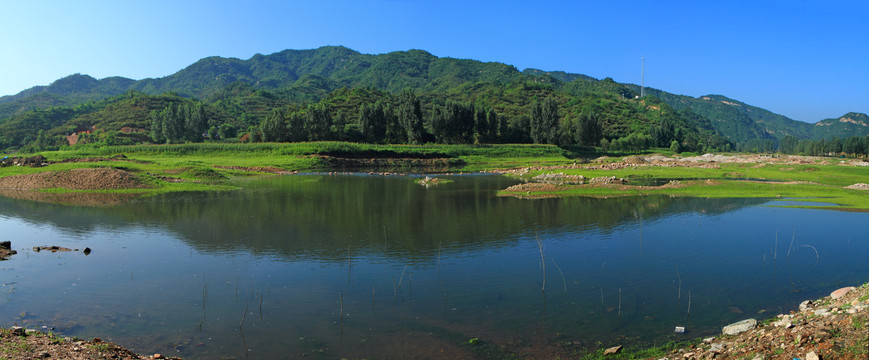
321,216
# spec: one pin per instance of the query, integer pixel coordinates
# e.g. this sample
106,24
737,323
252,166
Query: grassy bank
203,166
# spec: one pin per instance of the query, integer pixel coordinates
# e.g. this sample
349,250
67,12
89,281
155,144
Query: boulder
739,327
841,292
6,245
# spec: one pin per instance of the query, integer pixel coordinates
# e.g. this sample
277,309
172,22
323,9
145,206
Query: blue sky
808,60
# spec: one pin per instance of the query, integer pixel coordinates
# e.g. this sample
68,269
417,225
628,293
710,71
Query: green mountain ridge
246,91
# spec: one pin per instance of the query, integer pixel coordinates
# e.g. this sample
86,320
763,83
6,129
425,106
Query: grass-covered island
71,175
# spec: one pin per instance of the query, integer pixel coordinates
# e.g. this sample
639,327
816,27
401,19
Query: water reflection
372,266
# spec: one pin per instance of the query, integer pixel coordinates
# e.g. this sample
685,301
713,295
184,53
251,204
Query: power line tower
643,76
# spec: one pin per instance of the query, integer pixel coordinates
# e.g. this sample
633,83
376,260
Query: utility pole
643,76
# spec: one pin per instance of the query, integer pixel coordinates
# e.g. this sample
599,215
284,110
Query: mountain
846,125
246,91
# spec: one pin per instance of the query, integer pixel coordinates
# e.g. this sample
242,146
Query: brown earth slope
76,179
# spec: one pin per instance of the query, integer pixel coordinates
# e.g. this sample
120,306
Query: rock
159,356
708,340
717,347
87,251
805,305
18,331
739,327
613,350
785,321
6,245
841,292
822,312
812,356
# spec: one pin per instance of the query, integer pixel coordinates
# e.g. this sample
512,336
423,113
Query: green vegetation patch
810,183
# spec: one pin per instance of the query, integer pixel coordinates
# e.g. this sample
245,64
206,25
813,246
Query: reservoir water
356,266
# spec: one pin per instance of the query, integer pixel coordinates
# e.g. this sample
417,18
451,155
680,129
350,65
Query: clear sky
808,60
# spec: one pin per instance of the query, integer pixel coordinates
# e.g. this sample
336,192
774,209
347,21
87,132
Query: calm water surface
372,266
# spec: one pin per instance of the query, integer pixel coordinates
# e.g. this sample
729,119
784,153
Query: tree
227,131
788,145
373,122
545,122
481,127
590,129
410,116
494,126
318,123
675,147
157,127
274,128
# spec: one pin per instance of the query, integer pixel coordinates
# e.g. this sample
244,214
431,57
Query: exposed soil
31,344
76,179
262,169
858,186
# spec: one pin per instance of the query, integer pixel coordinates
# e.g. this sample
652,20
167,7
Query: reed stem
775,249
813,248
563,281
689,303
542,262
402,276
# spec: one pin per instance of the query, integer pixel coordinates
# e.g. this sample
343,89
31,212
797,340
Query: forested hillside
335,93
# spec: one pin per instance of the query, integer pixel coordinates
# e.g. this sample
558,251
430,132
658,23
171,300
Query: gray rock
739,327
812,356
717,347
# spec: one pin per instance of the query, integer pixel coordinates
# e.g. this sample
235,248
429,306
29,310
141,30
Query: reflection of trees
321,216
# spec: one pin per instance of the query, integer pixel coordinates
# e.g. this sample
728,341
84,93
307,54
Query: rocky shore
833,327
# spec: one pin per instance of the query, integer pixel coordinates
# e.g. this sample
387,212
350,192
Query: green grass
653,352
199,166
822,183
